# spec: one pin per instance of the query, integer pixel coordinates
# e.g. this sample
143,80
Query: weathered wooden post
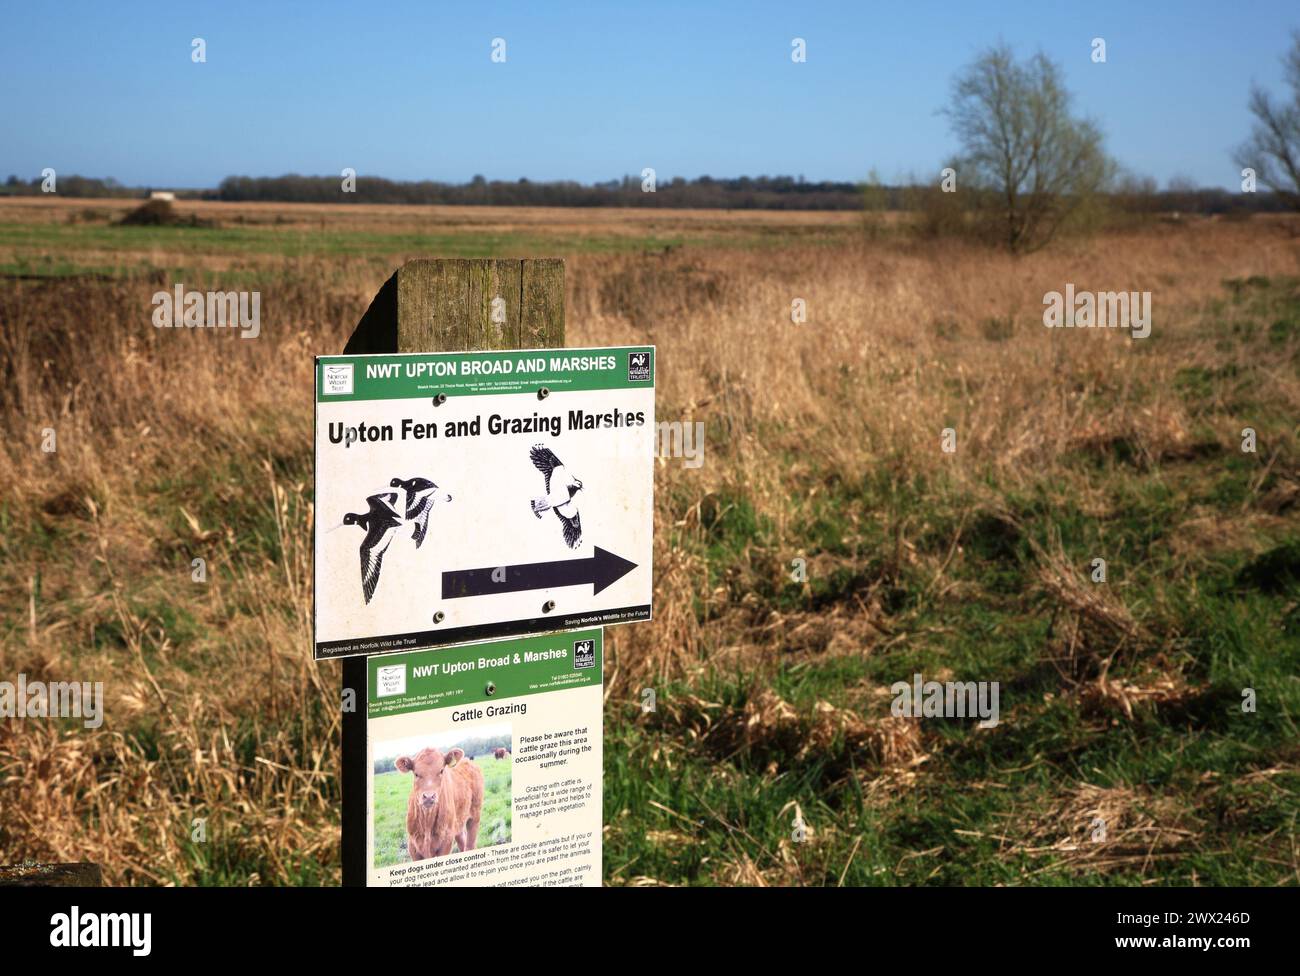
442,305
450,305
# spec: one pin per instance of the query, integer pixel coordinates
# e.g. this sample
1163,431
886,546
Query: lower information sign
485,764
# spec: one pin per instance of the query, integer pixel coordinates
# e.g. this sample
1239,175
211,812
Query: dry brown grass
1099,829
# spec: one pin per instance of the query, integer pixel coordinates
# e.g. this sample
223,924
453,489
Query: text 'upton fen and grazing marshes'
464,496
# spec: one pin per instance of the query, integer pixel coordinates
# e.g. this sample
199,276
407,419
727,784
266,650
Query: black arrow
599,570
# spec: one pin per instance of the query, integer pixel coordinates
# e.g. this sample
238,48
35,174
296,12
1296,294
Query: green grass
978,785
35,245
393,789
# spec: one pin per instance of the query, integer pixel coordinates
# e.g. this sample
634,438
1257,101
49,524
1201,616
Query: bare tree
1273,149
1030,160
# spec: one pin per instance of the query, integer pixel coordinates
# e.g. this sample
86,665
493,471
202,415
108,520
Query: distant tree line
745,192
72,186
1129,194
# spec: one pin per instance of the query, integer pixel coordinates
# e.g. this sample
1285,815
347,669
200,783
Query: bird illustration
421,493
381,524
561,487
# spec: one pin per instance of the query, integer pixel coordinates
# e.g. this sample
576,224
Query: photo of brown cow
434,796
446,802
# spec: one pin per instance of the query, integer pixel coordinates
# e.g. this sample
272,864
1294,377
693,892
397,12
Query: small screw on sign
440,399
439,617
543,393
491,689
548,606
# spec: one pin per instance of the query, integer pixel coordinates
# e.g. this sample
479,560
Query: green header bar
473,673
410,375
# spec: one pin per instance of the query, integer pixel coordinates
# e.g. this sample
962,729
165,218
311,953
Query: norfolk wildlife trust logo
638,367
179,308
337,379
53,699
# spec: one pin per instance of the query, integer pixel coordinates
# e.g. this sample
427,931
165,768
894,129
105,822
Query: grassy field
1121,702
393,789
63,238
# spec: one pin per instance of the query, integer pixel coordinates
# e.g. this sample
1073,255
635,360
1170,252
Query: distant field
393,789
68,237
1121,702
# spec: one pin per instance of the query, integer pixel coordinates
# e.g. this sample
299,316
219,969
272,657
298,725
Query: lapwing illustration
421,493
561,489
381,524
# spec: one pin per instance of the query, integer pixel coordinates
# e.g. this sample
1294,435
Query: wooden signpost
441,306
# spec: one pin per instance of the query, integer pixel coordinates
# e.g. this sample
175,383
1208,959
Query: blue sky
592,91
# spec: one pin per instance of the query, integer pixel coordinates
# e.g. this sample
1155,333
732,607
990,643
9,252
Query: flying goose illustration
421,493
381,524
561,487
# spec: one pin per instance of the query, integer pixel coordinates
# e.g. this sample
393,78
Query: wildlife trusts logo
584,654
178,308
638,367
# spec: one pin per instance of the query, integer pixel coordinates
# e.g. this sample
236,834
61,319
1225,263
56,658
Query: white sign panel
467,496
484,764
